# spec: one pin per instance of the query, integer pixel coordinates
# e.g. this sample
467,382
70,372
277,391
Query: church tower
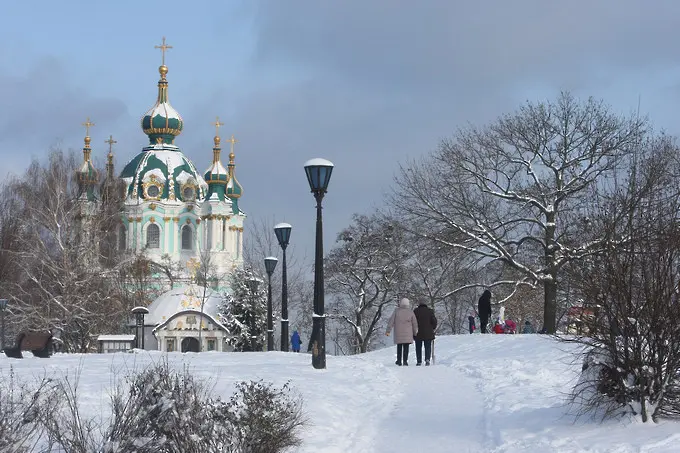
170,210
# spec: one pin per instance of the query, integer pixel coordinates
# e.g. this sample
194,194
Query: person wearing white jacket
405,326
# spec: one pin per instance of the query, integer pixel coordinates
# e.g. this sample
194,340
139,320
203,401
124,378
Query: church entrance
190,345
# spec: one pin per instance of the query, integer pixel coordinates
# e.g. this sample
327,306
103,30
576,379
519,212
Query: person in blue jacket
295,341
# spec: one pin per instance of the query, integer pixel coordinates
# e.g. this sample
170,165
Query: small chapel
172,212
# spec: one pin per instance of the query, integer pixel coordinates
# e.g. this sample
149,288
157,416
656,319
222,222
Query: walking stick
433,361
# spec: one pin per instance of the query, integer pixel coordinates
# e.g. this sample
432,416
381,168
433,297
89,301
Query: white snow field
486,393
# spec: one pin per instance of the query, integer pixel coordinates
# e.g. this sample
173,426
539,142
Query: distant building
172,212
115,343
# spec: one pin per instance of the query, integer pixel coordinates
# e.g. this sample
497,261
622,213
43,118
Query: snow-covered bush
265,419
160,410
21,408
630,283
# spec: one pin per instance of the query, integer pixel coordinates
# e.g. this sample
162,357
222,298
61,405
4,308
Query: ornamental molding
189,196
151,183
152,219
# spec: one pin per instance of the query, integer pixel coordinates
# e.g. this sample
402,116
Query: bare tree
260,243
363,274
631,333
63,272
507,192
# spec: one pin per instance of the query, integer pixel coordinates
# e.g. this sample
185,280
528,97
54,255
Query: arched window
153,236
187,237
122,243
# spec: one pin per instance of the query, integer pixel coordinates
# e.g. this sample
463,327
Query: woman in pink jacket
405,327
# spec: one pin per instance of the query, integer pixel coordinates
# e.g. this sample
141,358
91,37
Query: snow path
424,421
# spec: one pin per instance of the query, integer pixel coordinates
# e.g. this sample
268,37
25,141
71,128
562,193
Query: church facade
172,212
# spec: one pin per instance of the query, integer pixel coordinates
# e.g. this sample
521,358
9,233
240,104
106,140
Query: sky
368,85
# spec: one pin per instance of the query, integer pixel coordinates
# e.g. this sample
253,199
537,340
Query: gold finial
217,125
192,266
163,48
232,140
88,124
110,141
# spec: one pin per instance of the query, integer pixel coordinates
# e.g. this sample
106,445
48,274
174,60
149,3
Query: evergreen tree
244,311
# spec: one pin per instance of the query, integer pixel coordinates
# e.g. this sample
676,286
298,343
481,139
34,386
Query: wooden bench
39,343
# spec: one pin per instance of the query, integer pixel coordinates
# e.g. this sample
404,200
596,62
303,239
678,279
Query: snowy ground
486,393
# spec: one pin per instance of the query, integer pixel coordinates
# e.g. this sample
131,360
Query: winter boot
419,363
405,363
398,363
427,363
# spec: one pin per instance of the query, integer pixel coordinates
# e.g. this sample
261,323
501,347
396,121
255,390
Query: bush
630,282
20,408
158,410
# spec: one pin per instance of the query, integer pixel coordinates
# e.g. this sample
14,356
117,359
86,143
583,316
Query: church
172,212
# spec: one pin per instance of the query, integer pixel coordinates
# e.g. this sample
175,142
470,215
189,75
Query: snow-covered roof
212,319
115,337
181,299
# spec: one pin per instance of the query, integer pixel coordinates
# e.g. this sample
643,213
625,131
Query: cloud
371,84
43,108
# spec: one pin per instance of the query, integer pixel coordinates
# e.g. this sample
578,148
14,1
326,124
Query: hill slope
486,393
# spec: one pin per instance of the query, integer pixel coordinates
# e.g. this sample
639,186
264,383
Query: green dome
163,172
162,123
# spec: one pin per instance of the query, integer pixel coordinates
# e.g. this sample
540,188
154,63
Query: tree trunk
550,285
550,306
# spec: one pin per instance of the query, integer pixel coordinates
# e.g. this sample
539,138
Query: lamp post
270,265
318,175
282,231
139,313
3,306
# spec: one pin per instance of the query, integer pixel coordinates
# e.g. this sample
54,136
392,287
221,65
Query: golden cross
88,124
217,125
110,141
163,48
232,140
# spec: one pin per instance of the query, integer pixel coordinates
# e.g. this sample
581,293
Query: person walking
405,326
484,309
295,341
427,323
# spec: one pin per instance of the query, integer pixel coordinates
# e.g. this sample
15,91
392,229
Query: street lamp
139,313
270,265
282,231
3,306
318,175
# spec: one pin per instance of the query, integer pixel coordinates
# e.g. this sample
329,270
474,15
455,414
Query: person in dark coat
471,322
484,309
427,323
295,341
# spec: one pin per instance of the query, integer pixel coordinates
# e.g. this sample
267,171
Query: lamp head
282,231
270,264
318,174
